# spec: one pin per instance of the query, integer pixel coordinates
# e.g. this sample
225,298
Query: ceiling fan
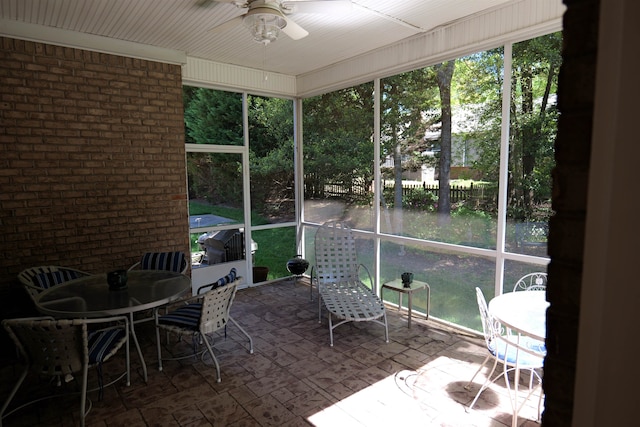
266,18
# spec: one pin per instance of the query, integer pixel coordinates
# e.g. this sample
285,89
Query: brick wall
92,160
576,89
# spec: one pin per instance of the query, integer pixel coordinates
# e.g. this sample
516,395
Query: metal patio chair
199,317
170,261
531,282
515,352
36,279
66,349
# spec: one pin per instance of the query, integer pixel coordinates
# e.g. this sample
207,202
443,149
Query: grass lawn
452,276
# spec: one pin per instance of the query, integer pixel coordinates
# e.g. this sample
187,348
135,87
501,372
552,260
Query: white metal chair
338,283
531,282
37,279
201,316
65,348
515,352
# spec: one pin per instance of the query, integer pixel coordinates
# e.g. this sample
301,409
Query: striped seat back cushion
52,278
170,261
226,279
188,317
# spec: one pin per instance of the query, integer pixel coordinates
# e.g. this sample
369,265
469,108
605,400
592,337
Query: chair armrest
109,319
210,285
369,275
108,322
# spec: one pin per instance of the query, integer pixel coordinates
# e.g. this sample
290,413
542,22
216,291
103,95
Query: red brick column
92,163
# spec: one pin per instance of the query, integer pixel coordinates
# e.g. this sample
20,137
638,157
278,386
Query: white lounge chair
339,286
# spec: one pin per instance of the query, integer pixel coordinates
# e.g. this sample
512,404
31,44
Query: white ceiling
185,26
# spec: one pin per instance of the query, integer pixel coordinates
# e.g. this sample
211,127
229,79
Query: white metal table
522,313
90,297
398,286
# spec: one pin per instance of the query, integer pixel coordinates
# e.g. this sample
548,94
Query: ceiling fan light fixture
265,24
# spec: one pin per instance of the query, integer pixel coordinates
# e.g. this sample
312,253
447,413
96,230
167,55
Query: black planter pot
260,274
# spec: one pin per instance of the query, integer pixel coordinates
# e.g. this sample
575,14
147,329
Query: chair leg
484,362
128,357
245,333
330,328
486,382
386,328
83,395
13,393
540,405
215,361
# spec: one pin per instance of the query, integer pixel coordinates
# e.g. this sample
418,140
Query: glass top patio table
90,296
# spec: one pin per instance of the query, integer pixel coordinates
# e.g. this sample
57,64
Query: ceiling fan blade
293,30
231,23
316,6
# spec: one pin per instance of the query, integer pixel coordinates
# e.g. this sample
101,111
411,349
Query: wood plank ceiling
185,26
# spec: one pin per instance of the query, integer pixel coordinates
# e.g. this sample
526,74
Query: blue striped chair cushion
187,317
220,282
170,261
47,280
226,279
102,343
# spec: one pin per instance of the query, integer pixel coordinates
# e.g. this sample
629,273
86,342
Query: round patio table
90,296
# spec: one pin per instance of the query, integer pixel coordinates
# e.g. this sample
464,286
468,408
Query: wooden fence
361,191
457,193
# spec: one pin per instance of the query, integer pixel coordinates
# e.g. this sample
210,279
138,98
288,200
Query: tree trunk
444,75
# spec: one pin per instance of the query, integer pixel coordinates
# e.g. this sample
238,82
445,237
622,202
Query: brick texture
576,91
92,161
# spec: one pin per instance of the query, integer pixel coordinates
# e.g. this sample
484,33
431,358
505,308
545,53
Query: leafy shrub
418,198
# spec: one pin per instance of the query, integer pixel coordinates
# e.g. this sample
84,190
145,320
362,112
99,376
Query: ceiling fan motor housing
265,22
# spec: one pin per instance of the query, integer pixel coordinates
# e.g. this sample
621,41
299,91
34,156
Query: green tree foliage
338,130
407,111
477,89
215,117
533,116
536,63
215,178
338,139
271,156
212,116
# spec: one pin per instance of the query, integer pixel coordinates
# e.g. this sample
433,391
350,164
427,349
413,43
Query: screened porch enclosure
445,173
